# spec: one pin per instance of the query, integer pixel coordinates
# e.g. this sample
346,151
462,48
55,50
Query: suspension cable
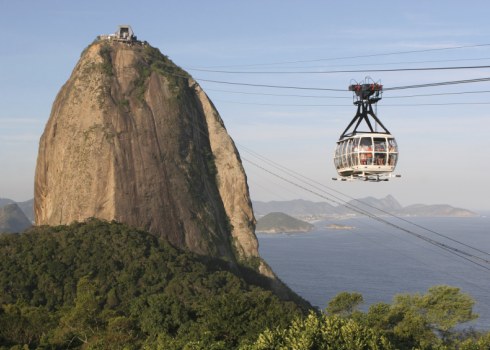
455,251
309,181
342,71
358,56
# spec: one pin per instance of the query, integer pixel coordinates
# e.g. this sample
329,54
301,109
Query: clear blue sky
444,148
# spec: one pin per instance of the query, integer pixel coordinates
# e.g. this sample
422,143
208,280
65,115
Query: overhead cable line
347,97
282,95
349,105
455,251
356,56
453,82
343,71
436,104
283,104
441,94
442,83
386,63
322,187
270,86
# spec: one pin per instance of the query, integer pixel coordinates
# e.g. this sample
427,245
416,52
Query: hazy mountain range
12,218
308,210
27,207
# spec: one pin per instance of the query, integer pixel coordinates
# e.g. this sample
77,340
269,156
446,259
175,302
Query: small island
273,223
340,227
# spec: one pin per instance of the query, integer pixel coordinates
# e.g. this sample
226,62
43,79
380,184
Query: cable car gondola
366,155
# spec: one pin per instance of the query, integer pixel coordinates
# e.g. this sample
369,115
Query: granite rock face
133,138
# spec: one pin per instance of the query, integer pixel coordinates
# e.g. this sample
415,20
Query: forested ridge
101,285
108,286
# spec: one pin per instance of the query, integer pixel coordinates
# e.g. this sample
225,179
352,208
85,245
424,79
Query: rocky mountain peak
133,138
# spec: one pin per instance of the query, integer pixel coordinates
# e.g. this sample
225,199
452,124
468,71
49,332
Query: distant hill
5,201
27,206
308,210
296,207
12,219
436,210
281,223
388,203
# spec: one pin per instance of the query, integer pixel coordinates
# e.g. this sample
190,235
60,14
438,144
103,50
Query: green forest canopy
106,285
100,285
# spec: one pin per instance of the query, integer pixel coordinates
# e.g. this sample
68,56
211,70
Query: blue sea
380,261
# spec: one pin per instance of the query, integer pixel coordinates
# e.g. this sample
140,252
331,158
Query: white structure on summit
124,34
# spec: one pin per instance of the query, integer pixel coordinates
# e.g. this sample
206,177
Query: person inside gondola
380,158
362,157
366,144
392,159
369,159
366,158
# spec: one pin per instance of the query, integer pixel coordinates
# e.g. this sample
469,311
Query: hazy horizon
443,139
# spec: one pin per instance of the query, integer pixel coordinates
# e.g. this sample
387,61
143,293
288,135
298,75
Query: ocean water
380,261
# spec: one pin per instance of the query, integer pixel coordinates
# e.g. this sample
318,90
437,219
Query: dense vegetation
102,285
425,322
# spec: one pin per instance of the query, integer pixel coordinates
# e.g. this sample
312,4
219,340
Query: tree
481,342
344,304
120,334
321,332
23,324
446,306
82,321
422,321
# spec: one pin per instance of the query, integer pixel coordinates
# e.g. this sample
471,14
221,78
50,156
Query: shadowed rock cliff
133,138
